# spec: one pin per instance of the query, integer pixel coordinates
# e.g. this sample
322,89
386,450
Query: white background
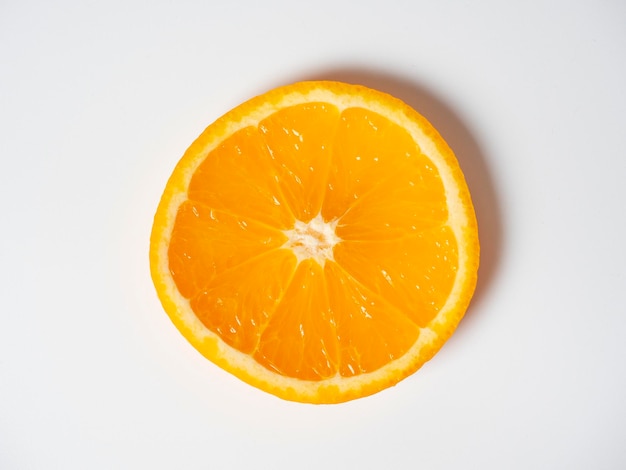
98,101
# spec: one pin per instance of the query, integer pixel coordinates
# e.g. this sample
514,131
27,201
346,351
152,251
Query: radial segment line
271,313
235,214
407,235
329,165
236,267
378,297
266,148
381,181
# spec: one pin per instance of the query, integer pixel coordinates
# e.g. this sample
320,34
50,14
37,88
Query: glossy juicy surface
356,303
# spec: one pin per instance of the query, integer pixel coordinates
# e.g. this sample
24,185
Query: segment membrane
300,339
370,331
367,149
206,242
415,273
238,303
239,177
410,201
299,139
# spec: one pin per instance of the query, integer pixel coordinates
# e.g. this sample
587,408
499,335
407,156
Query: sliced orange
318,242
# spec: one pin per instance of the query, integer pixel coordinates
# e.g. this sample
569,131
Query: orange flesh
392,270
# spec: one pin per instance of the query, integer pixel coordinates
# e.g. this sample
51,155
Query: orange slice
318,242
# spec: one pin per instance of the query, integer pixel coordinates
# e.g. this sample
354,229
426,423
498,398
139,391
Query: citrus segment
251,190
300,339
299,140
205,242
318,242
371,149
415,273
409,198
236,306
370,331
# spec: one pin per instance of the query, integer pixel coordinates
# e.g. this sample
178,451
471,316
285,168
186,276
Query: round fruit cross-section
318,242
